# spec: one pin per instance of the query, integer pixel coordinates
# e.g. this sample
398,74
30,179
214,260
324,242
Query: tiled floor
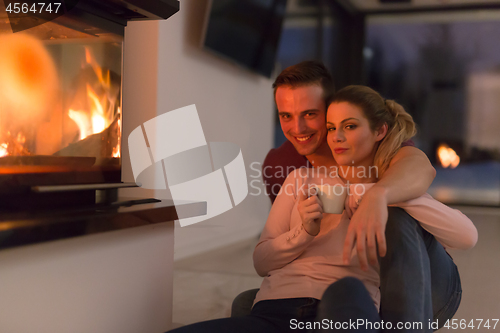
480,270
204,286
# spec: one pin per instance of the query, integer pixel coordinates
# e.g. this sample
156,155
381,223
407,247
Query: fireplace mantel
31,227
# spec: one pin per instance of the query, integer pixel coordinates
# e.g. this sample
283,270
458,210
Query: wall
118,281
483,116
234,105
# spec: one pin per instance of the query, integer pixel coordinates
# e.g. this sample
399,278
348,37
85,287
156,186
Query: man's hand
367,229
310,210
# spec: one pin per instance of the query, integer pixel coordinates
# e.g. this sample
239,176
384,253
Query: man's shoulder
285,155
278,164
408,143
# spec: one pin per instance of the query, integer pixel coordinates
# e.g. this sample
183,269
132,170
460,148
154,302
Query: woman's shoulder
299,174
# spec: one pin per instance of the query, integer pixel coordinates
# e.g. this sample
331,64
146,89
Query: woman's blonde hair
379,111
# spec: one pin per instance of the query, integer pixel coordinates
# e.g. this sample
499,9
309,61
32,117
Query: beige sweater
296,264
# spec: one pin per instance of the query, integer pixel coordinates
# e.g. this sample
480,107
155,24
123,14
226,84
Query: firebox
60,102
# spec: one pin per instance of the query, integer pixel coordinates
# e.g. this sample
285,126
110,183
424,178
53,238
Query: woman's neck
358,174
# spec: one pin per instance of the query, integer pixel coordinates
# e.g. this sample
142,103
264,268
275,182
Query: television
245,31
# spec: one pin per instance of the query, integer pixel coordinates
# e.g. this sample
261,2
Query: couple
325,271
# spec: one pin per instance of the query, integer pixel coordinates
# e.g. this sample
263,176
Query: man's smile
303,139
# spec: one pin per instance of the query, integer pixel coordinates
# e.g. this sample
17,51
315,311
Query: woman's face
349,135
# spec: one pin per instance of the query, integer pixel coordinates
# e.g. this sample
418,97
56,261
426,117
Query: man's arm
409,175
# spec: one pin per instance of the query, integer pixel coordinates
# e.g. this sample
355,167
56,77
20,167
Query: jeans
342,305
419,282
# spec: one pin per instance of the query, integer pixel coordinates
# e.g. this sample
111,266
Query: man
301,92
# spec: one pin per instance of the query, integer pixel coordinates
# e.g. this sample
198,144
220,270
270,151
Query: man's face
302,115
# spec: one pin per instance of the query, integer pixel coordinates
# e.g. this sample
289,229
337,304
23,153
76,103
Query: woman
414,249
307,283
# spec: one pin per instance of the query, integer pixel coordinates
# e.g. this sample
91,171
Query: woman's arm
409,176
450,226
279,245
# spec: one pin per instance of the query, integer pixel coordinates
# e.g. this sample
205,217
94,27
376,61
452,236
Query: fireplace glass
60,105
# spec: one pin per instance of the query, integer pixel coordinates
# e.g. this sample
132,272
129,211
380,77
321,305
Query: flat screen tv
246,31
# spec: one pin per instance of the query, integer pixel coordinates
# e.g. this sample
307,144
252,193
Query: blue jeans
342,305
419,281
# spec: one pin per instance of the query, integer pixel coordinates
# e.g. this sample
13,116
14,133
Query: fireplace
61,110
71,249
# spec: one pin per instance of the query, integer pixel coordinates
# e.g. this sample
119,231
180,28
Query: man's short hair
306,73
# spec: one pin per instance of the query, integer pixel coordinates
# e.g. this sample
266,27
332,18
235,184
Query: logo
179,155
28,14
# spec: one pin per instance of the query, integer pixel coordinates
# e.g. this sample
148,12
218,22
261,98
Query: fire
3,149
99,123
101,114
28,78
14,145
447,156
95,121
82,121
104,80
27,83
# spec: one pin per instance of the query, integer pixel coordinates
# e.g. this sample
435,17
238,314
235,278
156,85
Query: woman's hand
367,230
310,210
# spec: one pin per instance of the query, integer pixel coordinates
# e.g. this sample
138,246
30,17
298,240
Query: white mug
332,197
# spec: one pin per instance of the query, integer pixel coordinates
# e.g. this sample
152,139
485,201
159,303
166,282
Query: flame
21,139
82,121
104,80
3,149
99,122
447,156
14,145
94,121
101,106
